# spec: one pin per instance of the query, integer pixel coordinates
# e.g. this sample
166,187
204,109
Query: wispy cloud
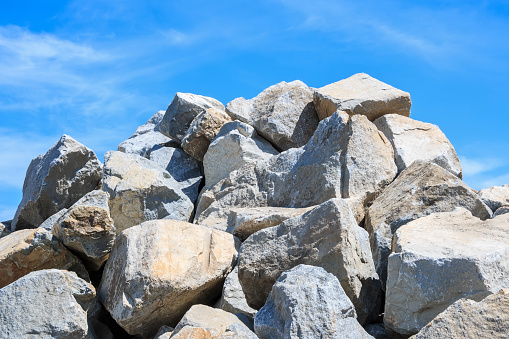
484,172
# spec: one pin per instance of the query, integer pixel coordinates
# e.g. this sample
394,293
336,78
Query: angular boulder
308,302
159,269
139,191
495,197
49,223
439,259
233,299
284,114
327,236
415,140
501,210
56,180
361,94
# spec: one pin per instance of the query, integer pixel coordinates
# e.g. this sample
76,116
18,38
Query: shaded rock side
56,180
233,299
501,210
495,197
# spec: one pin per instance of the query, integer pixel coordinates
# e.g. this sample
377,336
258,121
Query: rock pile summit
299,213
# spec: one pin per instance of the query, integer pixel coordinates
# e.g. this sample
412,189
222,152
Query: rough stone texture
164,332
182,111
421,189
158,269
468,319
415,140
47,304
233,299
145,137
235,145
242,222
234,331
308,302
495,197
361,94
202,130
56,180
49,223
501,210
31,250
377,330
439,259
326,236
284,114
87,229
182,167
3,230
140,191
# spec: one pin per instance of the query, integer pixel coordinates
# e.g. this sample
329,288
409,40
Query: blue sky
98,69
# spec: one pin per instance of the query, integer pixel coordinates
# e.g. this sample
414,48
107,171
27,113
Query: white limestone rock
233,299
495,197
501,210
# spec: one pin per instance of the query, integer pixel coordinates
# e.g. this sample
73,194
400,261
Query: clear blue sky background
96,70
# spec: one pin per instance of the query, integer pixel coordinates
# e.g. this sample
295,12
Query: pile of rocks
300,213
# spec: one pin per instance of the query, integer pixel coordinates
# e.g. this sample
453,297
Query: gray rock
361,94
377,331
164,332
46,304
308,302
182,111
421,189
284,114
145,137
414,140
49,223
495,197
501,210
439,259
56,180
139,191
233,299
326,236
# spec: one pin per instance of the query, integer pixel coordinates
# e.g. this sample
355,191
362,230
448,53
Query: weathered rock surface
361,94
284,114
140,191
235,145
87,229
233,299
421,189
182,111
415,140
327,236
468,319
145,137
3,230
495,197
202,130
501,210
47,304
164,332
157,270
439,259
308,302
31,250
49,223
234,331
56,180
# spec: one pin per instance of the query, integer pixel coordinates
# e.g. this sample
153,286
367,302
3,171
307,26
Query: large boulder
182,111
361,94
327,236
159,269
145,137
233,299
47,304
25,251
415,140
495,197
307,302
468,319
284,114
140,190
56,180
439,259
421,189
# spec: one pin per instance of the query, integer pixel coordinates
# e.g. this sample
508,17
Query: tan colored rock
361,94
159,269
31,250
495,197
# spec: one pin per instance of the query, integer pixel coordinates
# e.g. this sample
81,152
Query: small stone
495,197
501,210
164,332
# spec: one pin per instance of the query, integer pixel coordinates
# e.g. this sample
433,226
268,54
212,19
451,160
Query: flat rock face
159,269
140,191
284,114
326,236
468,319
56,180
361,94
495,197
308,302
421,189
233,299
439,259
31,250
46,304
415,140
145,137
87,229
182,111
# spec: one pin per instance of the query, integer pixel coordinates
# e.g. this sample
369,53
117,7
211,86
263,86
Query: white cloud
472,166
